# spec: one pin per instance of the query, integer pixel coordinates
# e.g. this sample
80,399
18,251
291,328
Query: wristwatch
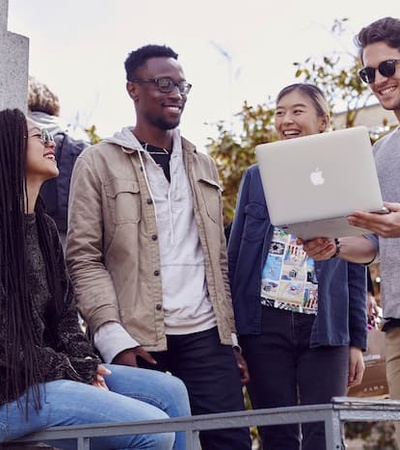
337,251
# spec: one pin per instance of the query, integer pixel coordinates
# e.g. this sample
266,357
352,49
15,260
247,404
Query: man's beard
167,124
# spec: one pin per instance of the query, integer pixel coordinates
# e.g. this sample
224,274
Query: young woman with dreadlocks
49,374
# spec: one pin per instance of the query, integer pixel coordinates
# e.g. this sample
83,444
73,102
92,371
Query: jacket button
149,201
154,237
158,307
156,273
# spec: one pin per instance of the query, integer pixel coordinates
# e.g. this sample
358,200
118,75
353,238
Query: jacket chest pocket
255,222
123,198
211,194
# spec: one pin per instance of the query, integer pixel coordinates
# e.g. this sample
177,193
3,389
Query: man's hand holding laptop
384,225
358,249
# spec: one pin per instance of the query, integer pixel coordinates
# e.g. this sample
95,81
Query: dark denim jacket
341,318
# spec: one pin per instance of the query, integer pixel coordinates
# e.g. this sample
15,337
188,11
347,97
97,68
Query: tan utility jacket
113,254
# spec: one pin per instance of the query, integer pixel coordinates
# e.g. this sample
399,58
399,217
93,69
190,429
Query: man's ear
132,89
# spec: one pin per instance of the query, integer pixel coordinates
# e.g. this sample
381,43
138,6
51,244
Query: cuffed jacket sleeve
341,318
248,244
85,246
357,305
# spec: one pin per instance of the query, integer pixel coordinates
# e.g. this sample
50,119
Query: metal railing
334,415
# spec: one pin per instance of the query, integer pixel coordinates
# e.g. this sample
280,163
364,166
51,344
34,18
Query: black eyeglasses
385,68
166,85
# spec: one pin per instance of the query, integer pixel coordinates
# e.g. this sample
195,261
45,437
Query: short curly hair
41,98
139,57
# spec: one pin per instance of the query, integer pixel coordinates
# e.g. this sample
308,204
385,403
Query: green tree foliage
233,152
93,136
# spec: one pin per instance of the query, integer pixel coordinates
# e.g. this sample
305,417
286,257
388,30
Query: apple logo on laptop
316,177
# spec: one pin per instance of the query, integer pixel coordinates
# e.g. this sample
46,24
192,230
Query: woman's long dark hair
22,365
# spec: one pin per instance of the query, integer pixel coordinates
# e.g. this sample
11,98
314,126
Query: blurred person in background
44,109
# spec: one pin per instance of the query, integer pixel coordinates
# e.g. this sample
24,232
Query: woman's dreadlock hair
22,364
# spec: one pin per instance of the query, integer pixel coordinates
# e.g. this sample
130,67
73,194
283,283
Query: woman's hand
356,367
99,380
320,248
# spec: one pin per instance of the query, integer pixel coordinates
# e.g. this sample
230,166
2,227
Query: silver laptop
312,183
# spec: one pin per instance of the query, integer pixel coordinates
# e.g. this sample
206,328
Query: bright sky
231,51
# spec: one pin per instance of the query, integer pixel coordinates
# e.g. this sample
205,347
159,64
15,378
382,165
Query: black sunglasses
385,68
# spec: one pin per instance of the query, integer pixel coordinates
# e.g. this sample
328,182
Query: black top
161,156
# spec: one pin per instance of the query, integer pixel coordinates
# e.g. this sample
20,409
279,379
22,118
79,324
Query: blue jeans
135,395
285,371
211,375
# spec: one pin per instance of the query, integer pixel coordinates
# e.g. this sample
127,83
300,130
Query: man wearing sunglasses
379,45
147,253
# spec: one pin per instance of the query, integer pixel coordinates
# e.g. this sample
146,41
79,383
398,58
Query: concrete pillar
14,65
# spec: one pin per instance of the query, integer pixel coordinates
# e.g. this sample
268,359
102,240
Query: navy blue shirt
341,318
